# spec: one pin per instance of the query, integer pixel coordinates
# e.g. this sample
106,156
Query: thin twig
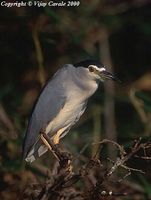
39,54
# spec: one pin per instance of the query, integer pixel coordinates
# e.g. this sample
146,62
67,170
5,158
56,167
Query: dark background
35,42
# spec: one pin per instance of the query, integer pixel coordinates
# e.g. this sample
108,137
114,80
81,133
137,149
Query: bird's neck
83,82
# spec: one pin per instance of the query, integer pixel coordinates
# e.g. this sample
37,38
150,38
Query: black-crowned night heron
61,103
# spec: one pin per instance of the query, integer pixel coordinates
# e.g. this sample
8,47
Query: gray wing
49,103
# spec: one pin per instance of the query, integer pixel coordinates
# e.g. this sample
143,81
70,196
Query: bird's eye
91,69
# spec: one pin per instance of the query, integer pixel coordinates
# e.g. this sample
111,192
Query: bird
61,103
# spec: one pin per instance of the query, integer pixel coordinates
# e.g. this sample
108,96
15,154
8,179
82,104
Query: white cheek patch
97,68
94,67
102,69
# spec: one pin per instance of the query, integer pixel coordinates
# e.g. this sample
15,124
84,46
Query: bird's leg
55,140
45,141
53,143
42,133
48,142
56,137
64,158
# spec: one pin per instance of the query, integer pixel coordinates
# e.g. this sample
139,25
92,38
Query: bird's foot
65,161
62,156
49,143
44,140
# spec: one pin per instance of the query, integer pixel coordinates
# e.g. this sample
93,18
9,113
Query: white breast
77,96
67,116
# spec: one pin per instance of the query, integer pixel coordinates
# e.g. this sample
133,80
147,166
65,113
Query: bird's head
96,70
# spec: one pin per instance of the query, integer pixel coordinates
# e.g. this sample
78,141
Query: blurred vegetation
35,42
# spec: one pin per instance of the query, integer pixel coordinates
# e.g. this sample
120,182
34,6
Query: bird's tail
37,150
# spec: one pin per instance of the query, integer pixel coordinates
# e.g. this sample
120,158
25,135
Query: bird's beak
108,75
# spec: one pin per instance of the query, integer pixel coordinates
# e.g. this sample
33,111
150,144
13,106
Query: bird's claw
62,156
